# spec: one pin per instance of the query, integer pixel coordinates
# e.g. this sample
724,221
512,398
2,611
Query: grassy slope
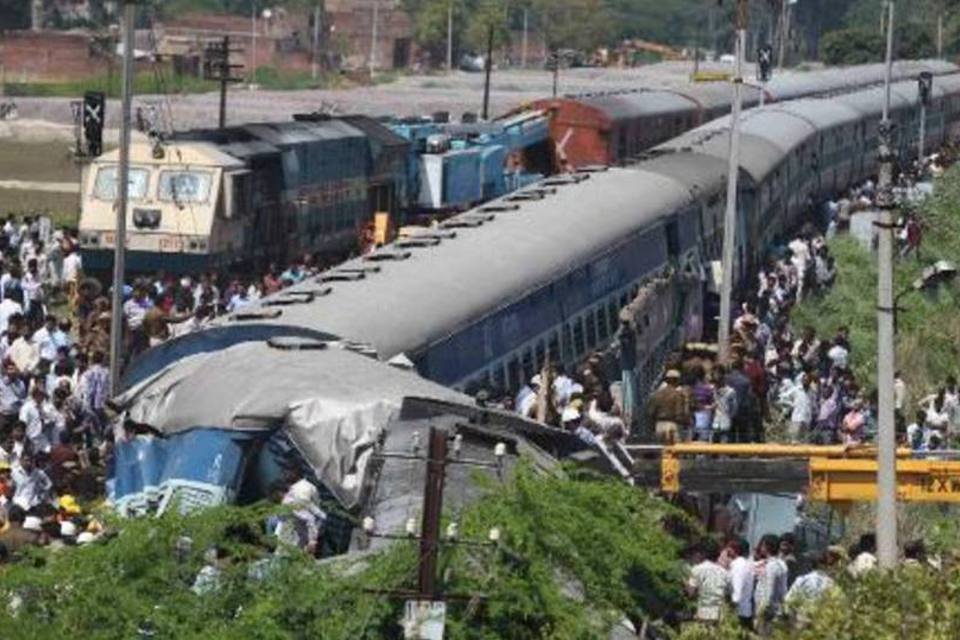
928,338
43,162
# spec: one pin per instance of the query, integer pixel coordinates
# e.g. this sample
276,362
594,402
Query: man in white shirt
809,588
32,485
45,339
741,581
72,267
37,414
709,583
771,585
839,356
8,307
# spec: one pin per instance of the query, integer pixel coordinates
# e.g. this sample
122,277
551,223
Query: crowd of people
773,369
777,583
56,447
780,374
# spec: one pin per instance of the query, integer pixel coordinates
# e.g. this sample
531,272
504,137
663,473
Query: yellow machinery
837,474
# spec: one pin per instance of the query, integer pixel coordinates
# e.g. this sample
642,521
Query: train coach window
591,326
613,313
529,368
184,186
567,343
602,331
497,377
578,345
540,354
105,186
513,374
238,194
553,347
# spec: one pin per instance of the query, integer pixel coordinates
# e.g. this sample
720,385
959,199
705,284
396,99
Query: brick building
350,24
31,56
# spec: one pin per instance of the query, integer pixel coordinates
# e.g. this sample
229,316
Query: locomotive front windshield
105,186
184,186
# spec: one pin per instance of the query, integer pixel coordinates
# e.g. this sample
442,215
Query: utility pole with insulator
733,172
123,192
886,523
218,67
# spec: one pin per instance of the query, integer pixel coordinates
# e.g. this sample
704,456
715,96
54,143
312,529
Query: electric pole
449,36
488,68
314,70
253,44
733,171
886,436
940,36
373,37
218,67
526,27
784,30
123,192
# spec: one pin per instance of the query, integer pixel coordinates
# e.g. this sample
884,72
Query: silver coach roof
415,302
701,173
767,133
840,78
758,155
824,114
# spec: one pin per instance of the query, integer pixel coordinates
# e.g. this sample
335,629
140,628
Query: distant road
410,95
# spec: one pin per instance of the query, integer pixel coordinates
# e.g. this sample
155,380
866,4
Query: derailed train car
492,294
611,127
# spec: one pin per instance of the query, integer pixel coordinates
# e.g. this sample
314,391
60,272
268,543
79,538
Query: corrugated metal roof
376,130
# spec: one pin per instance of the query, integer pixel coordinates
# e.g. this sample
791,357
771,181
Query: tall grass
928,324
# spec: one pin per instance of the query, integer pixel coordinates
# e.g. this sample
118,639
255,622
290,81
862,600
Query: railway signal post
123,188
733,171
764,69
886,524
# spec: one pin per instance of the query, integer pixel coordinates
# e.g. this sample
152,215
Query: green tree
851,46
574,24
